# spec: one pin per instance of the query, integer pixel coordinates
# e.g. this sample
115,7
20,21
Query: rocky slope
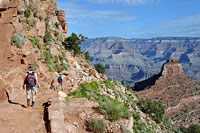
43,17
179,94
133,60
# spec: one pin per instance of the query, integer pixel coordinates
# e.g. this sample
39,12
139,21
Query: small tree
87,56
72,42
100,68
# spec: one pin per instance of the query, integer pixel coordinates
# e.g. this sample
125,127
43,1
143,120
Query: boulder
62,94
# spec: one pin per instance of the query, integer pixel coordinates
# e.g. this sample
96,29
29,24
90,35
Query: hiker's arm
38,84
24,85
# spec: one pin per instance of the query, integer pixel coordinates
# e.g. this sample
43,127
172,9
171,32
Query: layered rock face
8,15
133,60
42,27
179,94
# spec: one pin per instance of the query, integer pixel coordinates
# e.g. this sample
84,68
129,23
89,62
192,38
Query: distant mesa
171,68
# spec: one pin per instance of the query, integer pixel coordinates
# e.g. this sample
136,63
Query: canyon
133,60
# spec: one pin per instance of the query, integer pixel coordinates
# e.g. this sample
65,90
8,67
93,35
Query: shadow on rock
11,102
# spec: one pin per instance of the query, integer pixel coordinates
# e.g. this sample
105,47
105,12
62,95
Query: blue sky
132,18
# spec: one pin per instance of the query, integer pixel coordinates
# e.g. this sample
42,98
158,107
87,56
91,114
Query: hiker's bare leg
33,100
28,99
34,92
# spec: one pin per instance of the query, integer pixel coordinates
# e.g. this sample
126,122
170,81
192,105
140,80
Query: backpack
30,79
59,79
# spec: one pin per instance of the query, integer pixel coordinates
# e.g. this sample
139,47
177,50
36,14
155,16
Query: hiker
60,81
30,82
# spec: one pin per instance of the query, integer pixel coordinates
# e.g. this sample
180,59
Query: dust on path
16,118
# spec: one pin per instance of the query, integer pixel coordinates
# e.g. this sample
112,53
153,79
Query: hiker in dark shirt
60,81
30,84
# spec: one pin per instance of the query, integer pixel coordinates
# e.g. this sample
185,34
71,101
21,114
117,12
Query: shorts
60,84
32,90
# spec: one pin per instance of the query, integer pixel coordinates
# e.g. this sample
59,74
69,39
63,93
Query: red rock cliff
14,61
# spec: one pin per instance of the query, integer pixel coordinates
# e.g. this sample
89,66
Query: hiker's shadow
11,102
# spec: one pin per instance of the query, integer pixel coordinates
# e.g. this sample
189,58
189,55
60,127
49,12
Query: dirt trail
16,118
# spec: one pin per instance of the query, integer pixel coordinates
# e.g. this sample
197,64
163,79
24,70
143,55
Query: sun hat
31,67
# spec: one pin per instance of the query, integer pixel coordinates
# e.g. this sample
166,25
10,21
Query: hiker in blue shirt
30,84
60,81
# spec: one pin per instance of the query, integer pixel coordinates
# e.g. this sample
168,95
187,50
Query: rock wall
44,17
8,13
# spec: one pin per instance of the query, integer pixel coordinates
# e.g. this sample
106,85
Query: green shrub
66,67
153,108
97,126
18,40
66,99
47,56
94,85
72,42
76,94
36,42
61,58
27,13
193,128
60,65
114,109
136,116
87,90
48,27
166,125
26,20
139,126
35,14
56,34
56,59
109,84
100,68
48,38
117,83
59,68
128,87
56,25
87,55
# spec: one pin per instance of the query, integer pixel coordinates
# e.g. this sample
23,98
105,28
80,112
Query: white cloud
76,12
126,2
188,26
185,26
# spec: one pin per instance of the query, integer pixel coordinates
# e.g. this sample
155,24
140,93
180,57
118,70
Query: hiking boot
28,102
33,104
